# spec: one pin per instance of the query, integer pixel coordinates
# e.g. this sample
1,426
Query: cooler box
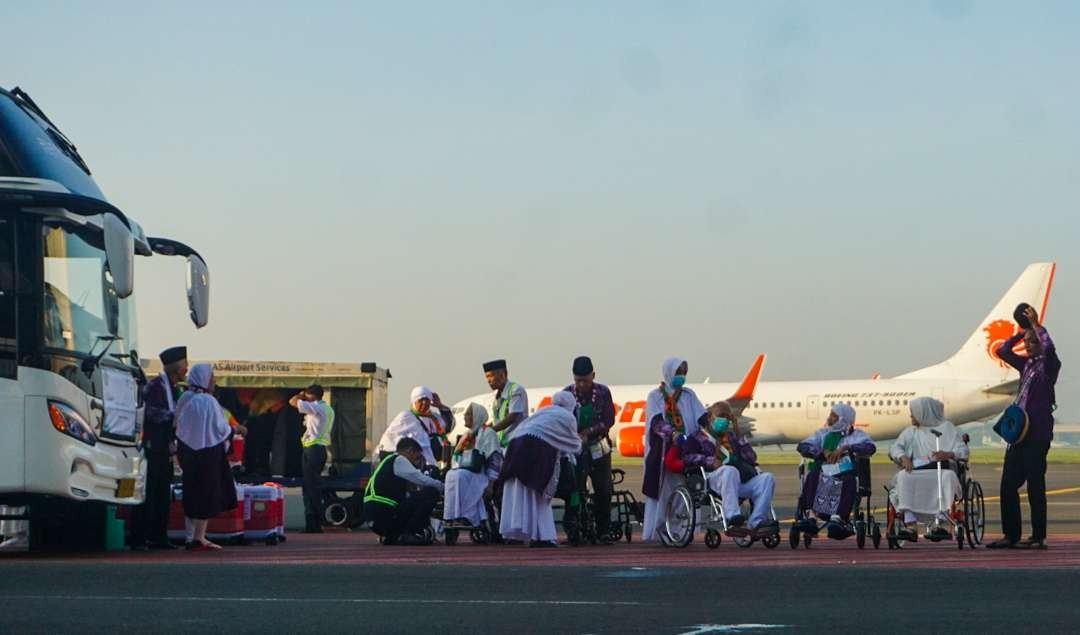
228,526
277,508
262,513
236,451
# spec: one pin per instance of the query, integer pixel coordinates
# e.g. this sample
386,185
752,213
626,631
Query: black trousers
150,521
410,517
599,472
314,462
1024,463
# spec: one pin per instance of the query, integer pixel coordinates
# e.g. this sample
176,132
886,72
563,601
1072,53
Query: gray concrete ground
97,598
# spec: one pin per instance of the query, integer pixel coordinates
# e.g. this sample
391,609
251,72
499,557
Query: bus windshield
81,305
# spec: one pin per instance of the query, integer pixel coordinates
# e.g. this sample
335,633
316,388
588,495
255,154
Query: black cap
1019,316
495,364
582,366
173,355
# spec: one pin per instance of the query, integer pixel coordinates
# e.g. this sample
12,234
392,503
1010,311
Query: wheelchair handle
618,475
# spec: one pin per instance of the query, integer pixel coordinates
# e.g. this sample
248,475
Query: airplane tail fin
978,357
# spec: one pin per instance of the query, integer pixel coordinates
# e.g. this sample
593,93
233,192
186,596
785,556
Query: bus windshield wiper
59,138
92,362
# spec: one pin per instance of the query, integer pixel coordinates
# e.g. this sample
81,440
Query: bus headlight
66,420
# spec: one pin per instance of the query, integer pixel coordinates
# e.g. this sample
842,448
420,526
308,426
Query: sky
848,187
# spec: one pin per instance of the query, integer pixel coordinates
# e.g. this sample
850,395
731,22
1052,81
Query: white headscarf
420,392
846,419
555,426
689,405
200,421
487,440
918,442
668,370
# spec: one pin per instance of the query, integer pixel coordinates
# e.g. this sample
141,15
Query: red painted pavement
360,548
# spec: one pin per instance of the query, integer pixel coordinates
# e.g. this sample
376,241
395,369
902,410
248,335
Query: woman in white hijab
530,471
672,410
201,434
420,423
466,485
829,487
915,490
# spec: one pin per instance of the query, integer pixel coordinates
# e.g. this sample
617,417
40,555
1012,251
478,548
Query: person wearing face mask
915,489
471,476
671,410
829,488
731,471
530,471
419,423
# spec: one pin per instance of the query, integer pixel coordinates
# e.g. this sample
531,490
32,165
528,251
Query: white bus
70,379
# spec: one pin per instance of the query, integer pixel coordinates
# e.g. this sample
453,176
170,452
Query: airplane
974,384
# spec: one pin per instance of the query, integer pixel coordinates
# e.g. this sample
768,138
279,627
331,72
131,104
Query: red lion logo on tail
996,333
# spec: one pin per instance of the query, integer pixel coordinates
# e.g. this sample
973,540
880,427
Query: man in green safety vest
396,514
510,404
318,420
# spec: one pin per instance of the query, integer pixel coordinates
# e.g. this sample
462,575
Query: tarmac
344,581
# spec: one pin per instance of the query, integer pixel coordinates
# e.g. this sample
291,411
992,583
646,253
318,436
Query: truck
71,406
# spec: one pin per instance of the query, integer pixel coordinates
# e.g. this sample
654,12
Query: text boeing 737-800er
974,385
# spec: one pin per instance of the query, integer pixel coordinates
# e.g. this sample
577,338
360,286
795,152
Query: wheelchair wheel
806,540
628,531
480,535
875,535
616,533
429,535
712,539
974,514
771,541
450,537
793,537
860,531
681,517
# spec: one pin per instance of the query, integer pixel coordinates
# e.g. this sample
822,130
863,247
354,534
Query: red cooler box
236,451
225,527
263,513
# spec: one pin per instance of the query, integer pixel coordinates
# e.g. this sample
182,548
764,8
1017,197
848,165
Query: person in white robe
463,505
410,424
201,434
915,488
672,410
530,472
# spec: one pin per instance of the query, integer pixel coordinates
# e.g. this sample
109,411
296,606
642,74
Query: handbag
567,479
472,460
1013,425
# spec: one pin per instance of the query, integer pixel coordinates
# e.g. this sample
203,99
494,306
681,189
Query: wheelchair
628,511
692,499
863,525
484,533
965,520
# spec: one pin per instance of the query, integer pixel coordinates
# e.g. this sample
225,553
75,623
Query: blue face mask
679,381
721,425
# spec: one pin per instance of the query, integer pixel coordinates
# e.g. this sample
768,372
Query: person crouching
398,515
530,472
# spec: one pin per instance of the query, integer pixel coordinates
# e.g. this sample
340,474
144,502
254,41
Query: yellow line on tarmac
991,499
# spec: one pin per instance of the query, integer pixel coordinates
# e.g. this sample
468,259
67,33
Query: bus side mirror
120,254
198,291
